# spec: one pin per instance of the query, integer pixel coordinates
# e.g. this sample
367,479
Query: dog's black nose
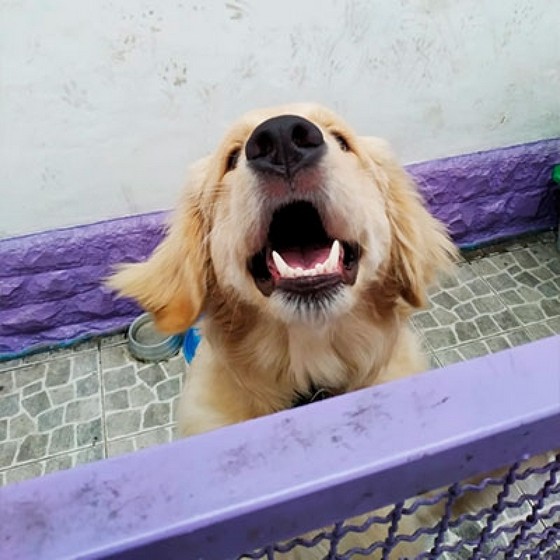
284,145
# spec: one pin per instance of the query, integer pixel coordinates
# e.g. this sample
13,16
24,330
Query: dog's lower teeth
330,265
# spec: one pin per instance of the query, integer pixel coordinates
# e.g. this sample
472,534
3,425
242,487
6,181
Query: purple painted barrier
230,491
492,195
50,283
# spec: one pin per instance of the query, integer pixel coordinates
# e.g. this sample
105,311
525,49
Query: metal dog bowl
146,343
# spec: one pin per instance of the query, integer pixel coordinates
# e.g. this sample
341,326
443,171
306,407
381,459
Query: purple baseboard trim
50,283
492,195
51,290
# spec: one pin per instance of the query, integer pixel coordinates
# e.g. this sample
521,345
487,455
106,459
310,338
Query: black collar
314,394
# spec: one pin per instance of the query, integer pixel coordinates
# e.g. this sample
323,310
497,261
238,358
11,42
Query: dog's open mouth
299,255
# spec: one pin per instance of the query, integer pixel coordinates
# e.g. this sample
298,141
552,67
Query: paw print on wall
126,46
49,178
75,96
175,73
237,9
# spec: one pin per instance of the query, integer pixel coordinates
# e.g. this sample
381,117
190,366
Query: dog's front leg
210,398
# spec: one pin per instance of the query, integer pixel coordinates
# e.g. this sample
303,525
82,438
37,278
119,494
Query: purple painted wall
50,283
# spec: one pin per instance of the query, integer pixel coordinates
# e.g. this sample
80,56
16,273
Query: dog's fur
259,352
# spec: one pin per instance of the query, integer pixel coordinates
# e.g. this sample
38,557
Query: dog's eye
232,159
342,142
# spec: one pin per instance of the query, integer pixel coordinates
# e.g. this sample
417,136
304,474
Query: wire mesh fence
514,514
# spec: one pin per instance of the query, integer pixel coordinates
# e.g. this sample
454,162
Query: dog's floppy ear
420,245
171,284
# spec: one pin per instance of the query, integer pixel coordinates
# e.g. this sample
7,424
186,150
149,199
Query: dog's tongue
305,257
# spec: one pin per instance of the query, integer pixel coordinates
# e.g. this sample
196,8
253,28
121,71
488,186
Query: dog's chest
313,359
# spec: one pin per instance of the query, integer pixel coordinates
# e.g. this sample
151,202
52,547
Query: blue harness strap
190,343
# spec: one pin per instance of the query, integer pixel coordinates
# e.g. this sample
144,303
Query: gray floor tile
528,313
496,293
112,340
8,365
518,337
554,325
52,464
50,407
497,343
92,344
448,357
538,331
473,350
440,338
434,363
142,440
41,357
138,396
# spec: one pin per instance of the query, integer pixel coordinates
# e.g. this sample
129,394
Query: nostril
304,136
260,145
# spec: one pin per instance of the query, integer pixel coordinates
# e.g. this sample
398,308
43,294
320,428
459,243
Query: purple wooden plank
232,490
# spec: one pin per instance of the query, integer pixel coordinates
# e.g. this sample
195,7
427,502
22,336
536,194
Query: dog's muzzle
299,257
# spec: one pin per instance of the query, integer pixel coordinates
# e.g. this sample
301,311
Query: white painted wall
103,104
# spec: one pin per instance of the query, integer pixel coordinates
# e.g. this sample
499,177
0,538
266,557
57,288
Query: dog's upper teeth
330,265
284,269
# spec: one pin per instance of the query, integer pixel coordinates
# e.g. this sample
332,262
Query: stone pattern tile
138,396
49,408
44,356
496,300
55,463
141,441
62,408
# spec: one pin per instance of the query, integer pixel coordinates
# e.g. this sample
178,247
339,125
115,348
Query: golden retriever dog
305,247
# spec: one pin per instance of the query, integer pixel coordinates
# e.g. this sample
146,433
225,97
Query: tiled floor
69,407
64,408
